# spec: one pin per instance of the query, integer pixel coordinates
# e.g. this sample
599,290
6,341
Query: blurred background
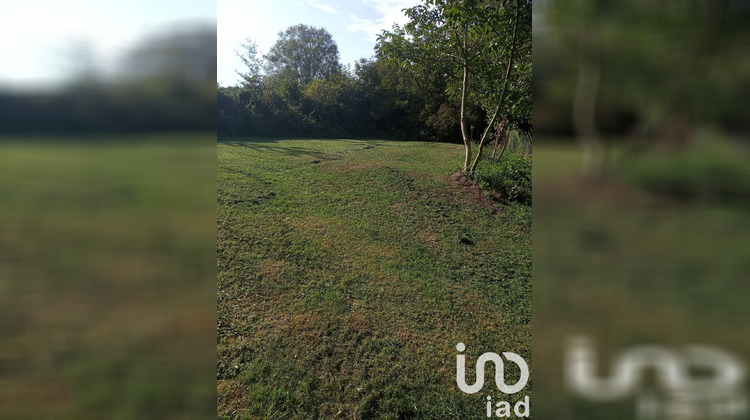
641,198
107,214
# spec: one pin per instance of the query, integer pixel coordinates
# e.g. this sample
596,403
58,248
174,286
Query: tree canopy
482,48
413,88
303,53
639,73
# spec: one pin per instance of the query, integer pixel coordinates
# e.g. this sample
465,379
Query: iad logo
696,382
521,409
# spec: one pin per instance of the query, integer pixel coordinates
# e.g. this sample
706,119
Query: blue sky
353,25
42,38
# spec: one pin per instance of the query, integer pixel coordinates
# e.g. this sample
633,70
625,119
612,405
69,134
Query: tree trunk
464,134
502,138
502,151
501,100
584,106
498,138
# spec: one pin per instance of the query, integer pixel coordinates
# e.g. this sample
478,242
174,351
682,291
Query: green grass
349,270
106,268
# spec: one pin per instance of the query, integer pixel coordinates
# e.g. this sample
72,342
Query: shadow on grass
275,146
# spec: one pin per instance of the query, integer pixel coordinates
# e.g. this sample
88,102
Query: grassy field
626,267
349,270
106,277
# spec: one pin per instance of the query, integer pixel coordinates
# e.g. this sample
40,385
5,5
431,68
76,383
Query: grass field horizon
348,270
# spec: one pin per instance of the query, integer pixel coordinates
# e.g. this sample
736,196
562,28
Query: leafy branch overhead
483,50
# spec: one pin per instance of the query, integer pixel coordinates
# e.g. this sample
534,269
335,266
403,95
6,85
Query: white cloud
390,12
324,7
392,9
367,26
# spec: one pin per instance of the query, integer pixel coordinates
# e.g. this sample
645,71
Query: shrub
699,175
510,177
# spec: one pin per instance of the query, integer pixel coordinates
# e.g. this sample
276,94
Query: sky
353,24
44,40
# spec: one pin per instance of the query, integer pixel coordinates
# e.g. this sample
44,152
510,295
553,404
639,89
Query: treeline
375,99
298,90
641,71
164,83
131,108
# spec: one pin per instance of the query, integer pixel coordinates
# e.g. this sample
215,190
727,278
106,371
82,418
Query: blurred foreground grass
627,264
107,299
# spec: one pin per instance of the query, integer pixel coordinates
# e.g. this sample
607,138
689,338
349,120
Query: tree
638,72
508,51
186,56
303,53
249,57
471,43
379,98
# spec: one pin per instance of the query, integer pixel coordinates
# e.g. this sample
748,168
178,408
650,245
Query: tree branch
501,100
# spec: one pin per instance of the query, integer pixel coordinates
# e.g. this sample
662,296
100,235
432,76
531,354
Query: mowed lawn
349,270
106,269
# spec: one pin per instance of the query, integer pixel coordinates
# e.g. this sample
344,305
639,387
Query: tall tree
508,52
249,57
644,60
303,53
475,44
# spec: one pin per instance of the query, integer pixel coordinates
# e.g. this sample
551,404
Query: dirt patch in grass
272,269
463,190
232,396
361,322
429,238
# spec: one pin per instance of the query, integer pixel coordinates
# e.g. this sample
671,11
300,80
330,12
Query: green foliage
408,91
304,53
658,60
379,99
481,48
702,174
510,177
249,57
